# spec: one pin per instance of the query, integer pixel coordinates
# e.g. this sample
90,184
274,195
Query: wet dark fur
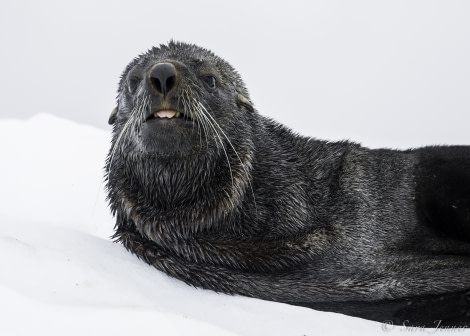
257,210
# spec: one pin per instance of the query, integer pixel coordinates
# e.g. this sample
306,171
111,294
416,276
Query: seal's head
178,99
182,142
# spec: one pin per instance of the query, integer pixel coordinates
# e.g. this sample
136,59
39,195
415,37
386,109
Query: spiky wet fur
257,210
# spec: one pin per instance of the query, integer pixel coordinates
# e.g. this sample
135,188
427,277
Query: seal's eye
132,83
210,81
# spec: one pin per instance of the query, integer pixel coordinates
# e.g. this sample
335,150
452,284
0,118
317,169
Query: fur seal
210,192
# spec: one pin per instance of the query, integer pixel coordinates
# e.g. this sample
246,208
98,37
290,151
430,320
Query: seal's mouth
167,114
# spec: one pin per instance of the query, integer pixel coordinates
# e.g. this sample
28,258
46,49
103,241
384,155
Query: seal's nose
162,77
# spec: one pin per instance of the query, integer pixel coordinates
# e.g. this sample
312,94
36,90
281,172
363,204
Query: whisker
134,123
214,122
217,135
195,117
204,123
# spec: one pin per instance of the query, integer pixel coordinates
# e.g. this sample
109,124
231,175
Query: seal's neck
180,195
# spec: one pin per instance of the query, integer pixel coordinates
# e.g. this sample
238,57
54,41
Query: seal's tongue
165,114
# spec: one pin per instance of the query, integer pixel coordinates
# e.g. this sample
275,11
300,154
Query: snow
62,275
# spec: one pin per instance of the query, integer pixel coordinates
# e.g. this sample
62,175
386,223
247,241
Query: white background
383,73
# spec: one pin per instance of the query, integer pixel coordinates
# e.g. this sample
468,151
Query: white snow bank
52,171
61,275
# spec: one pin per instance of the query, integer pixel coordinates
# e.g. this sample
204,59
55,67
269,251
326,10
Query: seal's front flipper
431,311
443,190
451,310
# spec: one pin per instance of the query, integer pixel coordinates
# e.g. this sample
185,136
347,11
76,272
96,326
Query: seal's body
209,191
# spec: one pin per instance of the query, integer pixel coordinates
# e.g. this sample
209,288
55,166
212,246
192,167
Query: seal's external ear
113,116
243,101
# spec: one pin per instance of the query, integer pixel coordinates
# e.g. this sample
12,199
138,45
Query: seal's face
177,100
182,140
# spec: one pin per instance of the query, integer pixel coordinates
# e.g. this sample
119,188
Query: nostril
163,77
156,84
170,82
